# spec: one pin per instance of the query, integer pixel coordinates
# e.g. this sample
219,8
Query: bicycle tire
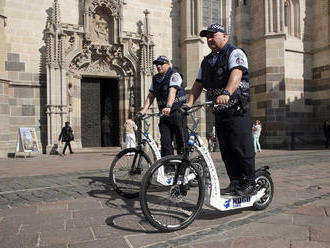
123,180
200,164
175,202
263,180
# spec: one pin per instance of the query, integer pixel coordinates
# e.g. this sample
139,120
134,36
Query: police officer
167,87
224,74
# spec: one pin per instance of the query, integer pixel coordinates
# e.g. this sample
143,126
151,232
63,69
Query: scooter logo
169,180
227,203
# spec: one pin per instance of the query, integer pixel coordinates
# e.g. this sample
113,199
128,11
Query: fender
264,168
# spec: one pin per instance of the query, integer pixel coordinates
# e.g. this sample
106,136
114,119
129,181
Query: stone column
4,119
191,51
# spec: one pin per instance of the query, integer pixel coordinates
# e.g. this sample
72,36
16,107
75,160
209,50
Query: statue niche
101,27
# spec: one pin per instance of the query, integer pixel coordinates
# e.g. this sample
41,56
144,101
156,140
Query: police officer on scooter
167,87
224,74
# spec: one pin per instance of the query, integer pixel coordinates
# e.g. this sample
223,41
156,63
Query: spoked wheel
127,170
264,181
170,206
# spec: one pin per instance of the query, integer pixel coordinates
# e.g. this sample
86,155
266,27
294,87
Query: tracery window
210,12
292,17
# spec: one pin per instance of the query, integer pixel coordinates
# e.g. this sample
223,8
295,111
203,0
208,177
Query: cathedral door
99,112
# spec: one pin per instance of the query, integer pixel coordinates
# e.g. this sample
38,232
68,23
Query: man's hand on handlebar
140,114
166,111
185,108
223,99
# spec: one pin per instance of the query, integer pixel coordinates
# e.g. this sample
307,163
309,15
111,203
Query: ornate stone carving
112,5
100,27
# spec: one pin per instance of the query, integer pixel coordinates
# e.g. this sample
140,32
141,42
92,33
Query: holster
243,103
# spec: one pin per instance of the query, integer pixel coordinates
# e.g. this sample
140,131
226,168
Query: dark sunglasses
159,63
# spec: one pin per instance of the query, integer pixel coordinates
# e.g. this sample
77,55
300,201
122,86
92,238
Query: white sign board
27,140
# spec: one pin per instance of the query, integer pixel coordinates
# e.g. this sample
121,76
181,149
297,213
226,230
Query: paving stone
276,230
248,242
19,241
61,236
106,231
19,211
309,244
308,210
213,243
150,238
85,204
311,220
8,229
285,219
320,234
114,242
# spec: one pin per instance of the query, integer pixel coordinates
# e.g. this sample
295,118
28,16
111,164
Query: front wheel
169,204
127,170
264,181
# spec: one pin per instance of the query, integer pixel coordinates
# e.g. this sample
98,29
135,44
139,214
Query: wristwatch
225,92
168,106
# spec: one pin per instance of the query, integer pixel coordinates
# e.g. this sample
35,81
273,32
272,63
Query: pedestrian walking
256,131
224,74
130,128
67,136
106,130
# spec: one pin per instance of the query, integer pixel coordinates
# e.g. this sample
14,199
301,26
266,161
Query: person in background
326,128
130,128
256,131
106,130
67,136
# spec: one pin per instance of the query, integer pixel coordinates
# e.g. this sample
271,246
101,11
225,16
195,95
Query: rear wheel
170,206
264,181
127,170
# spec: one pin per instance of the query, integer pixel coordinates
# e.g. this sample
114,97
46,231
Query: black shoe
230,190
71,152
246,189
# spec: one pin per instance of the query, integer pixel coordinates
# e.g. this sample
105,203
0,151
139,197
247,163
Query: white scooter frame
161,177
213,197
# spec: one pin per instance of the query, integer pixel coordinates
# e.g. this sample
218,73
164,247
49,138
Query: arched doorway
100,112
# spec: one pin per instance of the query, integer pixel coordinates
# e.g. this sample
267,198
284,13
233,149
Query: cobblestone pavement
74,206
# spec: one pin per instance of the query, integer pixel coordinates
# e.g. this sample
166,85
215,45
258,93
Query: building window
210,12
292,17
286,13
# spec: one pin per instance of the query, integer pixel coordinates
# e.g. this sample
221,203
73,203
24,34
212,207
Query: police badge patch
175,78
240,59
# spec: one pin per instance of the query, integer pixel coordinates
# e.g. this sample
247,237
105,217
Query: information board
27,140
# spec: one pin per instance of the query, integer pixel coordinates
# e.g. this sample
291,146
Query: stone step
112,150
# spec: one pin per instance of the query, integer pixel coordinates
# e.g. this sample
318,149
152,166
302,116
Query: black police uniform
175,124
233,126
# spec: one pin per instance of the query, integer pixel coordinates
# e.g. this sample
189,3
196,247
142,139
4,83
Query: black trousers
234,132
173,127
67,144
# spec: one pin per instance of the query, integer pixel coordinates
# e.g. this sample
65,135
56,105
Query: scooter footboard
230,202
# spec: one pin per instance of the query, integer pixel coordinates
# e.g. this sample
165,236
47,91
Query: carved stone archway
100,49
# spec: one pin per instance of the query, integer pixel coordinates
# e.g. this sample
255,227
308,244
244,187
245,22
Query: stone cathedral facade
79,60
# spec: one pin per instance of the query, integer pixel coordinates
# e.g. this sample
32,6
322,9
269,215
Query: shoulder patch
175,78
239,58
